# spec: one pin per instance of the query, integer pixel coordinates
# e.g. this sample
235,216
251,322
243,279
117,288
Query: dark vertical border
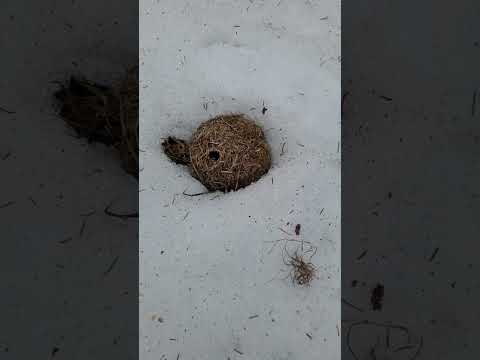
69,271
410,177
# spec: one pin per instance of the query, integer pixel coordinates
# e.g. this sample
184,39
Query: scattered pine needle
196,194
112,265
7,204
120,216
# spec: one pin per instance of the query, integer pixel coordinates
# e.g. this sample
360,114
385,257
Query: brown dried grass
303,271
226,153
104,114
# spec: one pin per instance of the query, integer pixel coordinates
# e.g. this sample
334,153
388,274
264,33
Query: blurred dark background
69,272
410,179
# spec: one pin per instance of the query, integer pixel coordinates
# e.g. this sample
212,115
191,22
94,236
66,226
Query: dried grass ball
226,153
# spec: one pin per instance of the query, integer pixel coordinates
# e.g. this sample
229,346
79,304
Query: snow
206,270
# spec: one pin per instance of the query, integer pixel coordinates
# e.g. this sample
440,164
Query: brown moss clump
178,150
226,153
105,114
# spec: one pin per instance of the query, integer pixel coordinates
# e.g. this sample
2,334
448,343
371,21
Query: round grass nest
225,153
105,114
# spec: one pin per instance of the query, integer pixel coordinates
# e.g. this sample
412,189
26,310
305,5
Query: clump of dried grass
105,114
298,259
303,271
226,153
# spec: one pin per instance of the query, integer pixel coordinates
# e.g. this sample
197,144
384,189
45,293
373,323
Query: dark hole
214,155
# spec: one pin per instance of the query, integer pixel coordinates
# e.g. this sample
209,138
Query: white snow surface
209,286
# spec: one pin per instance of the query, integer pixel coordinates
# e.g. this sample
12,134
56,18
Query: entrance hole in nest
214,155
